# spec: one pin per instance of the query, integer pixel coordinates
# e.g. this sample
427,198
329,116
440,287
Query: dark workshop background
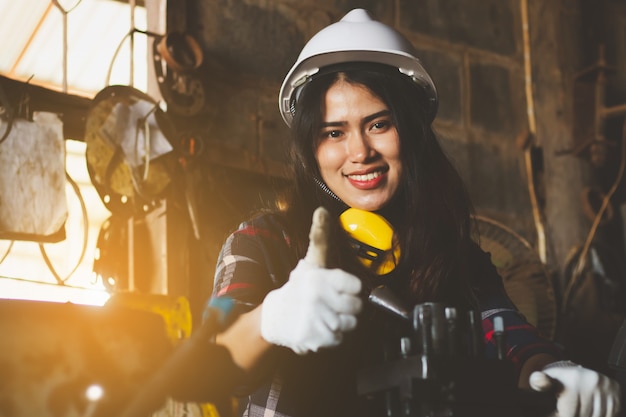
539,159
532,97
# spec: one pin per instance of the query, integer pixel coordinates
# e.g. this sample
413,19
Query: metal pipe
613,111
30,40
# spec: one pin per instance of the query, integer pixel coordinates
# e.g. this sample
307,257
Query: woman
360,108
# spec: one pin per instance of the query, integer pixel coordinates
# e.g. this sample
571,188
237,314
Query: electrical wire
4,102
119,48
48,283
7,251
131,70
42,248
532,127
61,280
65,12
581,262
143,126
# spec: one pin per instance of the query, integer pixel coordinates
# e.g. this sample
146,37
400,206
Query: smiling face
359,148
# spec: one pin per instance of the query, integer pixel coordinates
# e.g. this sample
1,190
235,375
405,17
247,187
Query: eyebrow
369,118
366,119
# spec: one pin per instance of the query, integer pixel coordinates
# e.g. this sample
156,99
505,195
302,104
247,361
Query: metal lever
384,298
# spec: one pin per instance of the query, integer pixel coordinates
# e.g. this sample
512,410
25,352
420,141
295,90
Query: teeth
365,177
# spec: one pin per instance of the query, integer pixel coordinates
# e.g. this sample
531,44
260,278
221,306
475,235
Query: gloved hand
317,305
581,392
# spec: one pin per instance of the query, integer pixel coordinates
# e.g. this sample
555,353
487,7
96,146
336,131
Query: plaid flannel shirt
258,258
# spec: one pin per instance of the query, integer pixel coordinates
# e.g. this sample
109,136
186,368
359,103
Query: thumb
541,382
318,238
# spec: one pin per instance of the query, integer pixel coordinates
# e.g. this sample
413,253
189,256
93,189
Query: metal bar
613,111
30,39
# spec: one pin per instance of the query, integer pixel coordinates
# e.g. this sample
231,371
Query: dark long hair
430,213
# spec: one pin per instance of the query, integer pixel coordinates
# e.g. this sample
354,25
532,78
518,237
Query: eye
381,125
331,134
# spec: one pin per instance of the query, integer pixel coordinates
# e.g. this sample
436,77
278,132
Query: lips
367,180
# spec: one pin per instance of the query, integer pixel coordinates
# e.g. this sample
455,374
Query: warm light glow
94,392
95,30
24,273
37,291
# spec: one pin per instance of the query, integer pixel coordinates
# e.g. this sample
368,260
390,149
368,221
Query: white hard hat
355,38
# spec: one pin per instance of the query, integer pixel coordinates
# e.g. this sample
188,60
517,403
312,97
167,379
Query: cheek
393,155
396,151
328,157
393,149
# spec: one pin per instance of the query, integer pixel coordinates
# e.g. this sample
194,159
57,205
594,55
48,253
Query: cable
143,123
119,47
7,252
49,283
42,249
4,102
580,264
532,127
65,12
131,70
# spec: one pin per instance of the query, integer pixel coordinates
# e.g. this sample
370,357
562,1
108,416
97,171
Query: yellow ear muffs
373,239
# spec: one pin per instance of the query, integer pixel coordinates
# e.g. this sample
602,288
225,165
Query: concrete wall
474,51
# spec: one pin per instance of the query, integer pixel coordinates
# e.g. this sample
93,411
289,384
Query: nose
358,147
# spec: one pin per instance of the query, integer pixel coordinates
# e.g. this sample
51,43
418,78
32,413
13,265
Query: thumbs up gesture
316,306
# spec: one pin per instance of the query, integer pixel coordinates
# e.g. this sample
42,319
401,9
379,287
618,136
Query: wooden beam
25,98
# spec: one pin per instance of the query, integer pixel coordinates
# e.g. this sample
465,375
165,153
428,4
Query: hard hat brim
305,70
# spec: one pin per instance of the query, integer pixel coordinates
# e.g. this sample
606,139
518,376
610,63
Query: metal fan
524,275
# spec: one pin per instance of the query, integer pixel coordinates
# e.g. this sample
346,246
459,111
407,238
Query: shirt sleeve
254,259
521,339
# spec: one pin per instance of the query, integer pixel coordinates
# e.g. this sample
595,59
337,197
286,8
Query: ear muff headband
372,238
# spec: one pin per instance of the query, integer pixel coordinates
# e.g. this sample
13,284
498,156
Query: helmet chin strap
328,191
371,235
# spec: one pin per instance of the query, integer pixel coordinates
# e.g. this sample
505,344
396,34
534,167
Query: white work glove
581,392
317,305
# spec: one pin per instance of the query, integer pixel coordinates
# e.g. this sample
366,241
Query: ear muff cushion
373,239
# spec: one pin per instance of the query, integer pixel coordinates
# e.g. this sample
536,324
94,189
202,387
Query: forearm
243,339
534,363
